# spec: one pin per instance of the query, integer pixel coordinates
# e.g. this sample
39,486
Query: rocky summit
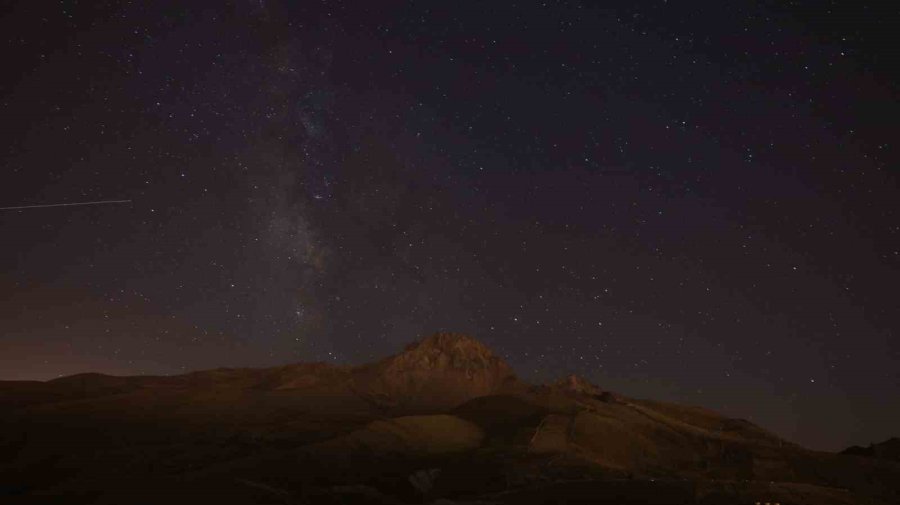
577,384
440,371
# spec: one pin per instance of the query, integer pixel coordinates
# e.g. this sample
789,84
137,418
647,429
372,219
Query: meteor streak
100,202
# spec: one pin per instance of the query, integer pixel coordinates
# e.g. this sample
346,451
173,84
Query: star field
693,203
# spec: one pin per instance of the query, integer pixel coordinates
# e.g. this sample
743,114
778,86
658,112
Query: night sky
688,201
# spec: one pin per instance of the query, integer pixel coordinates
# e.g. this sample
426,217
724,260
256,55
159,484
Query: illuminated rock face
443,370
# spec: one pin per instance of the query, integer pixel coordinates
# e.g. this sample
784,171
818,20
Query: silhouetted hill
444,418
889,449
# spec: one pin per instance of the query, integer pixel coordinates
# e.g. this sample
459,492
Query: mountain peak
450,343
450,351
445,369
577,384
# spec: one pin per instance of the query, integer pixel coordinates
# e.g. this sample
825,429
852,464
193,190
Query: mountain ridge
887,449
446,401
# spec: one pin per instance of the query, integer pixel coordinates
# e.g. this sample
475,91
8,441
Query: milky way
693,204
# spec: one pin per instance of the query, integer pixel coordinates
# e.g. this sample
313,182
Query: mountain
889,449
578,385
441,371
445,419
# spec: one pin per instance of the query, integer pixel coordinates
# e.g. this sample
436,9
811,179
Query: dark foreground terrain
445,421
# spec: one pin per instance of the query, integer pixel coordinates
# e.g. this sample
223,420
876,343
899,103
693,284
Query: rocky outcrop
441,371
578,385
